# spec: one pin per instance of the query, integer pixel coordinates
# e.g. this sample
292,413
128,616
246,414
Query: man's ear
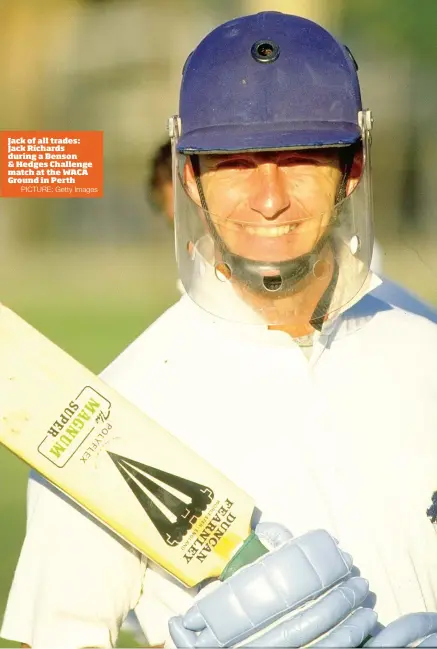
355,172
190,180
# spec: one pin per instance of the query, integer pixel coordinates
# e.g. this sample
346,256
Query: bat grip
251,550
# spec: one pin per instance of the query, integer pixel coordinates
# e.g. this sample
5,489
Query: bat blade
113,460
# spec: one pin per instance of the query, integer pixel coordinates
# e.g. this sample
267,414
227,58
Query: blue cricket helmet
268,81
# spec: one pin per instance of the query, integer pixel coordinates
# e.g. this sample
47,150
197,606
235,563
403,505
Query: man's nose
269,196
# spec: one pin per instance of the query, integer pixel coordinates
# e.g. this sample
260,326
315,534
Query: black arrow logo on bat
181,515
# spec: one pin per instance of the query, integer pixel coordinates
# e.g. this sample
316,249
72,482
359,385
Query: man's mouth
270,232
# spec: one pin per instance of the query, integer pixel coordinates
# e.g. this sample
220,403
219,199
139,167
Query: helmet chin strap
278,278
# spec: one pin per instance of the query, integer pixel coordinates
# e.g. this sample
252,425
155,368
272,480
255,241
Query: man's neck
295,330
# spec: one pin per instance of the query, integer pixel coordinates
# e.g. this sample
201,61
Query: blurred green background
93,312
93,273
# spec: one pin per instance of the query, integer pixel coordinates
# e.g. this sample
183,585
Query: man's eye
236,163
295,161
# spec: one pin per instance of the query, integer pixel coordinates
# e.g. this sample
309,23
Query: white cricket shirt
346,441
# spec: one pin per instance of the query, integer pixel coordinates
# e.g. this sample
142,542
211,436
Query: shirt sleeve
162,598
75,582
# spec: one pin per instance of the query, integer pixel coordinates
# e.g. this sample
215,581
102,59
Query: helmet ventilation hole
354,244
272,283
223,272
265,51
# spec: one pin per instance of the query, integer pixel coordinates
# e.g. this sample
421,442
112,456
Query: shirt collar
239,319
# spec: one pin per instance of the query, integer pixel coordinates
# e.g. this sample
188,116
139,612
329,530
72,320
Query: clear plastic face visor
274,237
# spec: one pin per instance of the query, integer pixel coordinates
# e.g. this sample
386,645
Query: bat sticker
172,503
76,422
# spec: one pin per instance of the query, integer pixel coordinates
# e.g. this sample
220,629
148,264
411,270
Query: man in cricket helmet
273,226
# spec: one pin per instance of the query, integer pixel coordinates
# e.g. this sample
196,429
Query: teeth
271,232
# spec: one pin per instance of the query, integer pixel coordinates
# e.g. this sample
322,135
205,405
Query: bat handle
251,550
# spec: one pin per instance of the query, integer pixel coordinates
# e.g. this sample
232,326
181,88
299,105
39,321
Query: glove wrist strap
251,550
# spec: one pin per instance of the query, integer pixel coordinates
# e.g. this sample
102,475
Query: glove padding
407,631
269,603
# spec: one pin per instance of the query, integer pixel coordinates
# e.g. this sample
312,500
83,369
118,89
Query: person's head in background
160,185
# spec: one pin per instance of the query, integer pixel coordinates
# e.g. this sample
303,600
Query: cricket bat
117,463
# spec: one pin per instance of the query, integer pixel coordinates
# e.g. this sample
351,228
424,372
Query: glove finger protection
335,616
297,571
407,631
352,632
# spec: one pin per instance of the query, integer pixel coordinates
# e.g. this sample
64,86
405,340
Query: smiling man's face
269,206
